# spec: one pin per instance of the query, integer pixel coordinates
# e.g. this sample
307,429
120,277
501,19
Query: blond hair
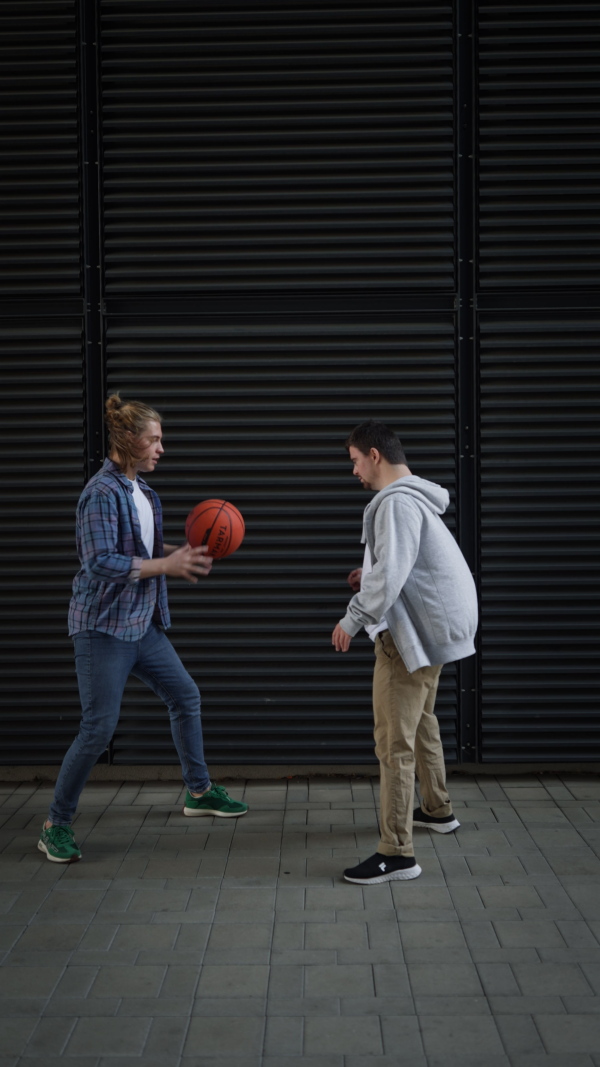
127,421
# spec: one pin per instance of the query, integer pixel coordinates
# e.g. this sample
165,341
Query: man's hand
353,579
340,639
189,563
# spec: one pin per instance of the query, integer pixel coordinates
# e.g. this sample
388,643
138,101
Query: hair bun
114,403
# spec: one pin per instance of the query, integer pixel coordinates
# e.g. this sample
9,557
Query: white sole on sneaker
440,828
219,814
393,876
55,859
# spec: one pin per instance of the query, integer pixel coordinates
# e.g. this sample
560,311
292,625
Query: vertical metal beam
89,124
467,409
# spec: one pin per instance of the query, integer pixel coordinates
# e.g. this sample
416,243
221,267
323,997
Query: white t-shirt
366,569
145,515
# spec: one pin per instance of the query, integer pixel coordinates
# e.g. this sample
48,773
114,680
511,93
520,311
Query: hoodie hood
427,494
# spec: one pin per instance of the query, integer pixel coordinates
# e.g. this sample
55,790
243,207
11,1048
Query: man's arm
184,562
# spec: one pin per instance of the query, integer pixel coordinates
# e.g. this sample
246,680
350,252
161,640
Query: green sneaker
58,842
216,802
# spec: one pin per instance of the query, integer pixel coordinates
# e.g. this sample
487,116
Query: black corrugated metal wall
275,212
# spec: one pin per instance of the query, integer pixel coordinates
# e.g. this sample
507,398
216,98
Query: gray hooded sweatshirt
420,579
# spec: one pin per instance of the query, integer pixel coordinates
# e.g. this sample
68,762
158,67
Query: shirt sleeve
397,530
99,537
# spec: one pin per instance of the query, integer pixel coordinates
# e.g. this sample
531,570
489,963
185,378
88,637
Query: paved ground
199,943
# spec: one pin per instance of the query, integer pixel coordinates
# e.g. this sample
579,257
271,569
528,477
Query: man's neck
391,473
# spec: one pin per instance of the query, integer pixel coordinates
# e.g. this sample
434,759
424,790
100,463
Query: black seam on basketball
208,532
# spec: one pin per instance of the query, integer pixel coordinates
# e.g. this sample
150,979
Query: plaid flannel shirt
108,594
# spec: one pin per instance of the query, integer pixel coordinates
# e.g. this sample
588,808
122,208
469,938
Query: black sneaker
380,868
443,826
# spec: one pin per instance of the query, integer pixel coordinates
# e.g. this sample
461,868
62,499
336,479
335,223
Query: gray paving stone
228,981
284,1036
50,1037
401,1036
240,935
217,956
498,979
528,933
342,1035
79,1007
381,1061
16,1034
391,954
29,981
473,1035
306,956
592,974
124,1036
378,1005
290,1006
139,981
10,1006
444,979
339,980
581,1005
451,1005
526,1005
300,1061
224,1036
577,934
336,935
286,981
225,1006
586,898
570,1033
438,935
165,1039
563,1059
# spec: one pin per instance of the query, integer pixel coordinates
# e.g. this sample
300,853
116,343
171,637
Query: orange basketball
215,523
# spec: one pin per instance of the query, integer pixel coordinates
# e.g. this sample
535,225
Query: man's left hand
340,639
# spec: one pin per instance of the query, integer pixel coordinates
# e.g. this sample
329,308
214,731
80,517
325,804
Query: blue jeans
103,665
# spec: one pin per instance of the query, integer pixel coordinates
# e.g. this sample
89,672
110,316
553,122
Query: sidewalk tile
343,1035
444,979
519,1035
224,1036
339,980
570,1033
473,1035
138,981
284,1036
229,981
290,1006
123,1036
50,1037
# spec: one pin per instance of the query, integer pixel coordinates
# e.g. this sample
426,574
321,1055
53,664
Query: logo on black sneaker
382,867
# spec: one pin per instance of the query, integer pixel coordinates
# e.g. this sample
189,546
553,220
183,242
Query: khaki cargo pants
406,733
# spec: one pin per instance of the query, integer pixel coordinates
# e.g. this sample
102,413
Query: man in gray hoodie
416,598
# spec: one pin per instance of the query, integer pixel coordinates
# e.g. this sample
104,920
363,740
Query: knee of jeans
187,700
94,743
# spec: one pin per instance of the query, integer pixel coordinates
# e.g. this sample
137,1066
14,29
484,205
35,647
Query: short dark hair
375,434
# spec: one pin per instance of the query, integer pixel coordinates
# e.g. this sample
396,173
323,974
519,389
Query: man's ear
375,455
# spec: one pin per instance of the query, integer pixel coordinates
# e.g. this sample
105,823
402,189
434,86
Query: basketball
215,523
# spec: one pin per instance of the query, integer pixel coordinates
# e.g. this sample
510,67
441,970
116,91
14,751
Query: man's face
364,467
150,445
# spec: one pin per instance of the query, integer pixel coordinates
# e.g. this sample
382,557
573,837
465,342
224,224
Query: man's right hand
353,579
189,563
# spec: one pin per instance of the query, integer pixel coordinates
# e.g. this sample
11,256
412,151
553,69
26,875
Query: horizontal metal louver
257,412
278,147
539,151
540,502
39,169
41,477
